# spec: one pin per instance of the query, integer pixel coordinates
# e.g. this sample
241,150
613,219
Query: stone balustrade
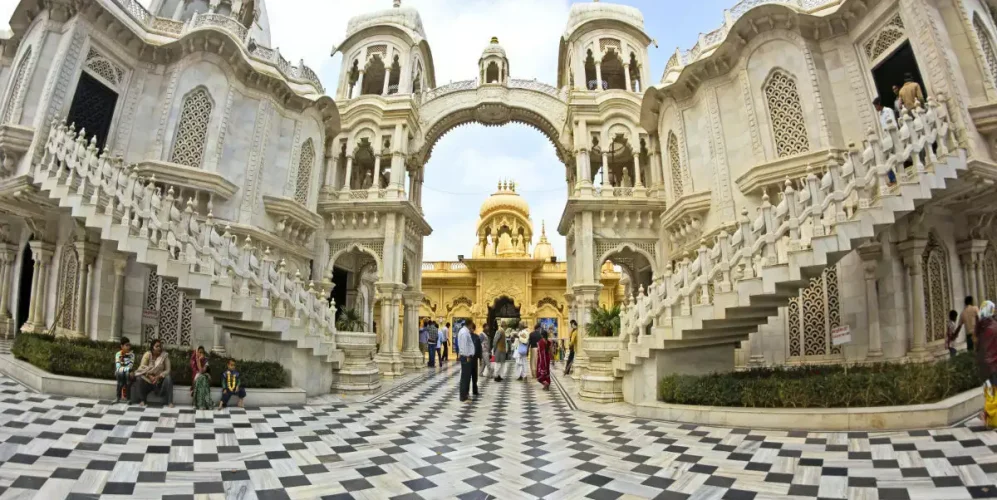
177,29
138,206
808,208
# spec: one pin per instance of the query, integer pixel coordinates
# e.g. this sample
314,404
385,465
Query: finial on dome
397,4
512,186
494,39
543,228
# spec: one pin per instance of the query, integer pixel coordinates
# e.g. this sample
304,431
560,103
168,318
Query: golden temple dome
543,250
505,198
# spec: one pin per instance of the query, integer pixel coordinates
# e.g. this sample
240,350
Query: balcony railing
177,29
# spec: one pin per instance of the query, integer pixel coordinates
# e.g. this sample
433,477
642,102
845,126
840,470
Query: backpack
434,336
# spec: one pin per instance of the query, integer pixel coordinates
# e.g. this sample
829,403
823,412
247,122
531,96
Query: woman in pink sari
544,348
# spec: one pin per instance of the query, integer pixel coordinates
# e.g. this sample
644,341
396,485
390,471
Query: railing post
768,217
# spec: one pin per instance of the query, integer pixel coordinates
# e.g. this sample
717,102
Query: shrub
885,384
604,322
95,359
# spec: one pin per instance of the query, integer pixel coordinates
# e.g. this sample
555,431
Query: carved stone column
871,254
86,254
376,183
626,77
8,254
388,359
913,251
411,355
606,186
42,253
637,182
120,264
971,257
586,297
347,186
598,75
387,78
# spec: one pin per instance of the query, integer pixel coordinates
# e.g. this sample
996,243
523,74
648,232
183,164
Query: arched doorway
503,309
24,287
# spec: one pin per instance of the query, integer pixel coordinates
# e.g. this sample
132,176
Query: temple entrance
503,309
891,72
24,287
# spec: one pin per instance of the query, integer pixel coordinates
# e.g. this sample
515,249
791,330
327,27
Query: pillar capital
971,250
8,252
87,251
412,298
912,251
120,264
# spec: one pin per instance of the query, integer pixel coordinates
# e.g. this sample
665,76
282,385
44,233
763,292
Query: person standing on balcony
465,345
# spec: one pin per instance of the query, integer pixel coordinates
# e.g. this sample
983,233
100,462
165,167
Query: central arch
523,101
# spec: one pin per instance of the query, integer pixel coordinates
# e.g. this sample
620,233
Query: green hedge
886,384
95,359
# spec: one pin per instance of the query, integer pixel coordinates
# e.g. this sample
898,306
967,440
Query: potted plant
349,320
601,345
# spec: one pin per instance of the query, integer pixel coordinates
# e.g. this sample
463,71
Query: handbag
523,349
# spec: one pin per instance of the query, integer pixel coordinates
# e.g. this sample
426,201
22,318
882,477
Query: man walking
423,336
498,350
968,321
486,350
444,343
465,345
911,93
476,353
433,342
572,346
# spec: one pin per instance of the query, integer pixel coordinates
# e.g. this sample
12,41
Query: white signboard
841,335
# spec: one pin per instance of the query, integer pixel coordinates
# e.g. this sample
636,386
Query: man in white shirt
465,346
885,114
444,343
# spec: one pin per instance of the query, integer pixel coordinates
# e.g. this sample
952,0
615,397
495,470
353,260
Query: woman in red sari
543,361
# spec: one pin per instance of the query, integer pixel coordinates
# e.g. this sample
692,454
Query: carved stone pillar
86,254
387,78
586,297
376,183
42,253
347,185
606,186
626,77
7,256
913,251
598,75
359,86
637,182
388,359
971,257
411,355
870,260
120,264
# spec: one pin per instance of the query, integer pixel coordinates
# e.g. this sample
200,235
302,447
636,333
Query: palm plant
604,322
349,320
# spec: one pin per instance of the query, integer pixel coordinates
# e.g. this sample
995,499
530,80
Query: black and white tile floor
418,441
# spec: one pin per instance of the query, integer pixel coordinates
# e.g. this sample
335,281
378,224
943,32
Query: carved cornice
15,139
172,174
369,213
294,221
19,197
690,205
791,167
984,117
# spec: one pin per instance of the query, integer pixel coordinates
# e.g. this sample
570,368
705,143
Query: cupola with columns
504,228
604,47
493,66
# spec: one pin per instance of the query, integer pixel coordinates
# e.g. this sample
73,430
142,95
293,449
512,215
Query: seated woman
153,374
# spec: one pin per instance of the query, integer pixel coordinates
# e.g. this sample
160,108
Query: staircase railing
139,205
810,207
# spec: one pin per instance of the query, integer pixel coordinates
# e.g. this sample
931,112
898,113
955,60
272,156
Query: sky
468,162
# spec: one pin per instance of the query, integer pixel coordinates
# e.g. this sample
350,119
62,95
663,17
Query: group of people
153,377
980,327
484,354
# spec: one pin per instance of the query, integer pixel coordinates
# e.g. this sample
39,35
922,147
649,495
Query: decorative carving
888,36
192,128
789,129
17,85
68,277
261,129
718,152
987,47
102,67
304,175
675,163
937,288
749,108
128,114
223,128
812,315
57,89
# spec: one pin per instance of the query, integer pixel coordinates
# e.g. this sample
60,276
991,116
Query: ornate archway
503,308
523,101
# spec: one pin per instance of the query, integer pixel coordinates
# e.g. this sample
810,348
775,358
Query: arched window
304,181
417,79
192,129
17,83
937,288
612,71
492,73
590,73
812,315
986,44
675,162
635,83
373,77
789,130
394,77
69,270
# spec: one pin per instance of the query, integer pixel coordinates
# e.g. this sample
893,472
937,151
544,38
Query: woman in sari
544,349
153,375
986,338
200,385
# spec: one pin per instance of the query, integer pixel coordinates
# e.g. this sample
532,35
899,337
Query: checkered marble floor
418,441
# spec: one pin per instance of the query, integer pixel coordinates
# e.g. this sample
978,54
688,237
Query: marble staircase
241,287
731,288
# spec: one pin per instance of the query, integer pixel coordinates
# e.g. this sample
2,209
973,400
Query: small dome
582,13
493,49
505,198
543,251
406,18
